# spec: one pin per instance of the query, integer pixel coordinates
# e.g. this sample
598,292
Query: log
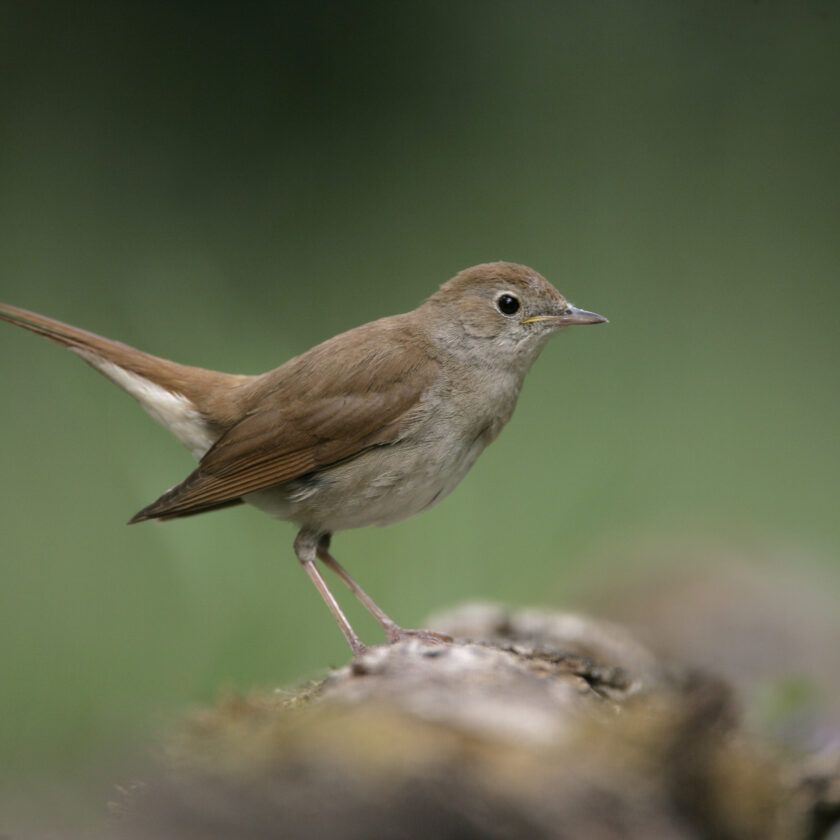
530,724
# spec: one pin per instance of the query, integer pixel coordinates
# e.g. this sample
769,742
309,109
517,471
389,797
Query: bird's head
501,310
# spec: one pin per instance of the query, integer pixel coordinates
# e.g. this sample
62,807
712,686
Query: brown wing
343,397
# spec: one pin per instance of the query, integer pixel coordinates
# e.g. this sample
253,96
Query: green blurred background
228,184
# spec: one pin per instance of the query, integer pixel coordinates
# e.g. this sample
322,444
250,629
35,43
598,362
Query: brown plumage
369,427
316,410
341,398
214,394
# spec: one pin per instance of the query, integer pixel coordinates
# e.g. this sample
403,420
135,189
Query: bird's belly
381,486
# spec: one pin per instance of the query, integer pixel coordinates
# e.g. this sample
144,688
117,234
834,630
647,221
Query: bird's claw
399,634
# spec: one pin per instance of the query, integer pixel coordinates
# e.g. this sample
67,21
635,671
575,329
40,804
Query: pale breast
389,483
381,486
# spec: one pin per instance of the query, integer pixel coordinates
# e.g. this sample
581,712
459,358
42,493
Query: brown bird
367,428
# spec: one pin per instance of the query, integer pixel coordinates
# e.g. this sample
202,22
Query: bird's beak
570,316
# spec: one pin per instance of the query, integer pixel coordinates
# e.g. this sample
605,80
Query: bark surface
529,725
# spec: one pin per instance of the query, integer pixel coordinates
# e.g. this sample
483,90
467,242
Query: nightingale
367,428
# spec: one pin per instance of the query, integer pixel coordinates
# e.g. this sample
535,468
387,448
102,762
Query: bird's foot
358,648
399,634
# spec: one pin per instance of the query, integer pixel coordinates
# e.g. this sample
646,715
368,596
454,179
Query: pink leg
305,548
393,631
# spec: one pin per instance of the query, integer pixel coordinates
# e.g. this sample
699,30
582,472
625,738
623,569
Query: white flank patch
172,410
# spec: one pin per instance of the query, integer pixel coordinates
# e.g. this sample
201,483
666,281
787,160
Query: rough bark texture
529,725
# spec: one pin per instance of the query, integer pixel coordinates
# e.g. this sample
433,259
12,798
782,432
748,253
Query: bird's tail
195,404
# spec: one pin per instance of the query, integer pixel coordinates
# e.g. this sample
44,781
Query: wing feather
340,399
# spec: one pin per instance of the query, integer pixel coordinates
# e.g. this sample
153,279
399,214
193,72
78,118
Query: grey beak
568,317
573,315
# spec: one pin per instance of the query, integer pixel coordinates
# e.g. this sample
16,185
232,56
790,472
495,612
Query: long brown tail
210,392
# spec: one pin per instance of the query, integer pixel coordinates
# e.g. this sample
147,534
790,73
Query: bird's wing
327,406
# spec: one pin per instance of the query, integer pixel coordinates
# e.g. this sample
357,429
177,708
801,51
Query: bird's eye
507,304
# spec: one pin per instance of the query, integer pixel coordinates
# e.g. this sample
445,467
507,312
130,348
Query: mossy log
529,725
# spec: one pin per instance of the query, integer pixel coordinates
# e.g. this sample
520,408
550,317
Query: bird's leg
393,631
391,628
306,549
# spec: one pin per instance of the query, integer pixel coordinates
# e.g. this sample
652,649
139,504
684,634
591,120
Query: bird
369,427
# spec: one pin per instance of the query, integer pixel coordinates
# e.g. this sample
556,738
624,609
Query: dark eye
507,304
